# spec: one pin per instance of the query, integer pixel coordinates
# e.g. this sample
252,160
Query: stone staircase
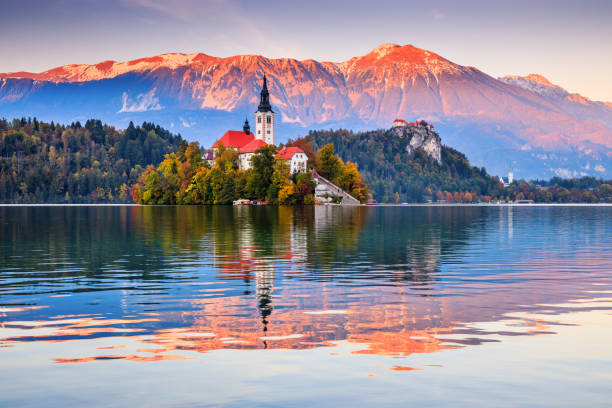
326,190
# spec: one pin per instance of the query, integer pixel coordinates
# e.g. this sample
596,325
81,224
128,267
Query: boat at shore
242,201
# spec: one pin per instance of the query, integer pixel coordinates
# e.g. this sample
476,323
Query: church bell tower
264,116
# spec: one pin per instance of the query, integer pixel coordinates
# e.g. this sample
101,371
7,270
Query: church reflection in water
391,281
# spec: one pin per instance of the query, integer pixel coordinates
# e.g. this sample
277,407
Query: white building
506,181
246,152
296,159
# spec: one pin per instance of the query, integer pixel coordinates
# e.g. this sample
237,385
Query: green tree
281,178
152,193
226,193
605,191
262,162
327,164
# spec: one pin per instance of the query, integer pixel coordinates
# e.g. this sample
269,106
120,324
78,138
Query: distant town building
506,181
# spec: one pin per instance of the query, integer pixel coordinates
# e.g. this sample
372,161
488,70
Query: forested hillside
95,163
51,163
396,175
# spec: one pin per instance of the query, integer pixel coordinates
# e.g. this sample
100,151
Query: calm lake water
298,307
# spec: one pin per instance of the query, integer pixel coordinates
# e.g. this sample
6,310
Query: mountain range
525,123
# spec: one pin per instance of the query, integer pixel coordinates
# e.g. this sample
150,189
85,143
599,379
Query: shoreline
332,205
479,205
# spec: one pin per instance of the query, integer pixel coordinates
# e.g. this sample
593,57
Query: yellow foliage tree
286,194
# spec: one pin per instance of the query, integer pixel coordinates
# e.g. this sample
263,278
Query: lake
321,306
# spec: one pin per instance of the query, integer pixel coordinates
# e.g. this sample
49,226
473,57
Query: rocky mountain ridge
573,103
497,122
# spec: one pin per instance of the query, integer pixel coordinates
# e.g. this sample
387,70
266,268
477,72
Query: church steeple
264,102
246,127
264,116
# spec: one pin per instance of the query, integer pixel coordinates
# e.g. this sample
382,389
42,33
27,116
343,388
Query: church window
259,119
268,132
259,132
269,119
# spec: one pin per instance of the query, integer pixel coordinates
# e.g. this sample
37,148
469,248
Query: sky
569,42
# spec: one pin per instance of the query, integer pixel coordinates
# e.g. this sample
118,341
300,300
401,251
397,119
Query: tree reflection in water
393,280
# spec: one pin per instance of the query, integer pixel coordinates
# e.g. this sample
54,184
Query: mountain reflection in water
392,281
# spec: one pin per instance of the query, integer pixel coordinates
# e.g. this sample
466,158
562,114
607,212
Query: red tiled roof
235,139
252,146
399,120
288,152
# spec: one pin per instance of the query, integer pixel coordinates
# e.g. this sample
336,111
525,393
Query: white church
247,142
